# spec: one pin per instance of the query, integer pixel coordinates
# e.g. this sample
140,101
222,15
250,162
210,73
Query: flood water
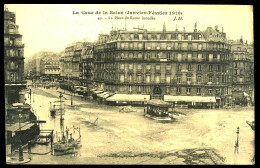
133,134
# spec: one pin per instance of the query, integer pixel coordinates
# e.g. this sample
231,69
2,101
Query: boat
65,145
57,107
157,109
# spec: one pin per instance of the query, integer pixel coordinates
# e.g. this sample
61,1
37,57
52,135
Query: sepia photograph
129,84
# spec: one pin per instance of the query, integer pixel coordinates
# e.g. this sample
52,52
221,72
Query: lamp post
20,147
144,105
236,143
19,120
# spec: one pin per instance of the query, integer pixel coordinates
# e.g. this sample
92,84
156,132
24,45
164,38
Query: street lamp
144,105
19,120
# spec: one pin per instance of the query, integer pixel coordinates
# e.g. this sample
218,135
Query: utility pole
236,143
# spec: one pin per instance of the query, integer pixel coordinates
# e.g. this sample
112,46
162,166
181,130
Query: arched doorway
157,91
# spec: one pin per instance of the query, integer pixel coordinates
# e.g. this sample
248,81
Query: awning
97,91
128,97
245,94
103,95
158,102
15,127
189,99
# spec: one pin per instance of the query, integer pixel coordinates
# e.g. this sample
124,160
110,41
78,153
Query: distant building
86,66
242,64
13,60
52,68
70,65
179,66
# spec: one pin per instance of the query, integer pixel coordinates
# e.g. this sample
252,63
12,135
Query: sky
52,27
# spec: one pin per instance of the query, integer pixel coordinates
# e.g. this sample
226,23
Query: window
179,36
189,79
218,68
139,78
209,91
199,78
217,79
168,56
168,79
157,79
140,45
235,64
189,67
168,67
189,46
148,67
122,45
148,78
139,89
210,68
178,79
130,78
199,46
199,68
148,90
139,66
210,56
178,90
140,56
198,90
11,42
167,90
131,45
157,67
179,57
188,90
130,66
210,78
217,91
179,46
179,67
189,37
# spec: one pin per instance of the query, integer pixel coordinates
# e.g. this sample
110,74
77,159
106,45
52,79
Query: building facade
243,69
70,65
52,68
86,66
13,60
159,63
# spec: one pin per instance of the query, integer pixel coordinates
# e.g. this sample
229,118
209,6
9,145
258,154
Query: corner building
13,60
185,68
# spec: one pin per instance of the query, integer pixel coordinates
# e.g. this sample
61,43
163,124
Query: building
13,60
251,72
36,64
242,64
182,67
20,125
52,68
86,66
70,65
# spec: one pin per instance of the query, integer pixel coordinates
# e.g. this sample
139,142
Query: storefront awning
245,94
103,95
97,91
15,127
128,97
159,103
200,99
